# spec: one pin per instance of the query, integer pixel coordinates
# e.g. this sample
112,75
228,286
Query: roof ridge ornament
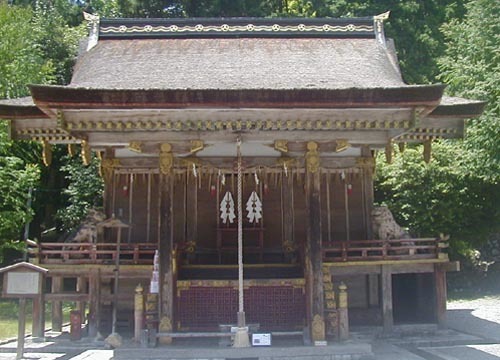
378,24
236,27
93,24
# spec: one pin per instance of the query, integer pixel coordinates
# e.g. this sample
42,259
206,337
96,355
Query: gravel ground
480,317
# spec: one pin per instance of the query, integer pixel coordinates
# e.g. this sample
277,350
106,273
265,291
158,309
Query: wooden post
148,219
94,301
21,328
138,312
57,319
373,290
387,316
81,287
130,206
166,307
38,325
116,281
110,180
313,258
343,311
441,295
289,245
367,165
191,205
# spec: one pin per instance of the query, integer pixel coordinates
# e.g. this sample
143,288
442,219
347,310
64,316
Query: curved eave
50,97
20,112
465,109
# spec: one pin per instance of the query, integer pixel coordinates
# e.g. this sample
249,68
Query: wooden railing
87,253
373,250
143,253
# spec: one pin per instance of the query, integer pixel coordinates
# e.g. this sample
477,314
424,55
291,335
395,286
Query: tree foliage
16,177
57,41
84,191
21,56
36,46
439,197
471,68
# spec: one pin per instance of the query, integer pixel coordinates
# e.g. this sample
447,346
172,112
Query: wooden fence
142,253
372,250
88,253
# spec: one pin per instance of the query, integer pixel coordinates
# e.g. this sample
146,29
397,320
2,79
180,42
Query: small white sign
261,339
23,283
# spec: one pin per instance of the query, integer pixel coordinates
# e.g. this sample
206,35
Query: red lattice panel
273,307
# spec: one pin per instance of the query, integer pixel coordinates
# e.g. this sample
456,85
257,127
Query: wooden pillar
289,246
21,329
343,317
138,312
373,290
57,319
191,208
367,165
312,251
387,315
81,288
94,301
108,164
165,246
441,295
38,325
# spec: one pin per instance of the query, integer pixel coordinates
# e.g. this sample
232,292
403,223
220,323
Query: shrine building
196,118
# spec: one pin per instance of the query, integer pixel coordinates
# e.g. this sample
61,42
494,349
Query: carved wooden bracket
312,157
166,159
46,153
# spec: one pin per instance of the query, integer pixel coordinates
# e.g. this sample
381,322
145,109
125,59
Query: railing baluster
136,253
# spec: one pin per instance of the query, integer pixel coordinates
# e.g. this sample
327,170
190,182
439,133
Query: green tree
439,197
16,177
84,191
57,41
21,56
471,68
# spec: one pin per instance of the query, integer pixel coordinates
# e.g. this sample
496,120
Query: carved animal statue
385,227
87,232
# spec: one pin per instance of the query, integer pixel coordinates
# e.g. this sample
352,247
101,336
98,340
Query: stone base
241,339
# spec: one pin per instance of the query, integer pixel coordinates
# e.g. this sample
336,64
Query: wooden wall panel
208,212
179,208
271,202
300,212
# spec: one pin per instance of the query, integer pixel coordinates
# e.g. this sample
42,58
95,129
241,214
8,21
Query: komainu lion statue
86,233
384,225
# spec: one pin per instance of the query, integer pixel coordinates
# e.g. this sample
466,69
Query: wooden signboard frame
23,280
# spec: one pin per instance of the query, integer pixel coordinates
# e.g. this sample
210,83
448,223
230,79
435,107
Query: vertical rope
240,229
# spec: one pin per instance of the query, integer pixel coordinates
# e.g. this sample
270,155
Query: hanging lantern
349,189
213,191
266,189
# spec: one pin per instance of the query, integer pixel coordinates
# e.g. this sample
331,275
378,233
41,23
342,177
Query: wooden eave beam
98,139
463,110
49,97
21,112
228,163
